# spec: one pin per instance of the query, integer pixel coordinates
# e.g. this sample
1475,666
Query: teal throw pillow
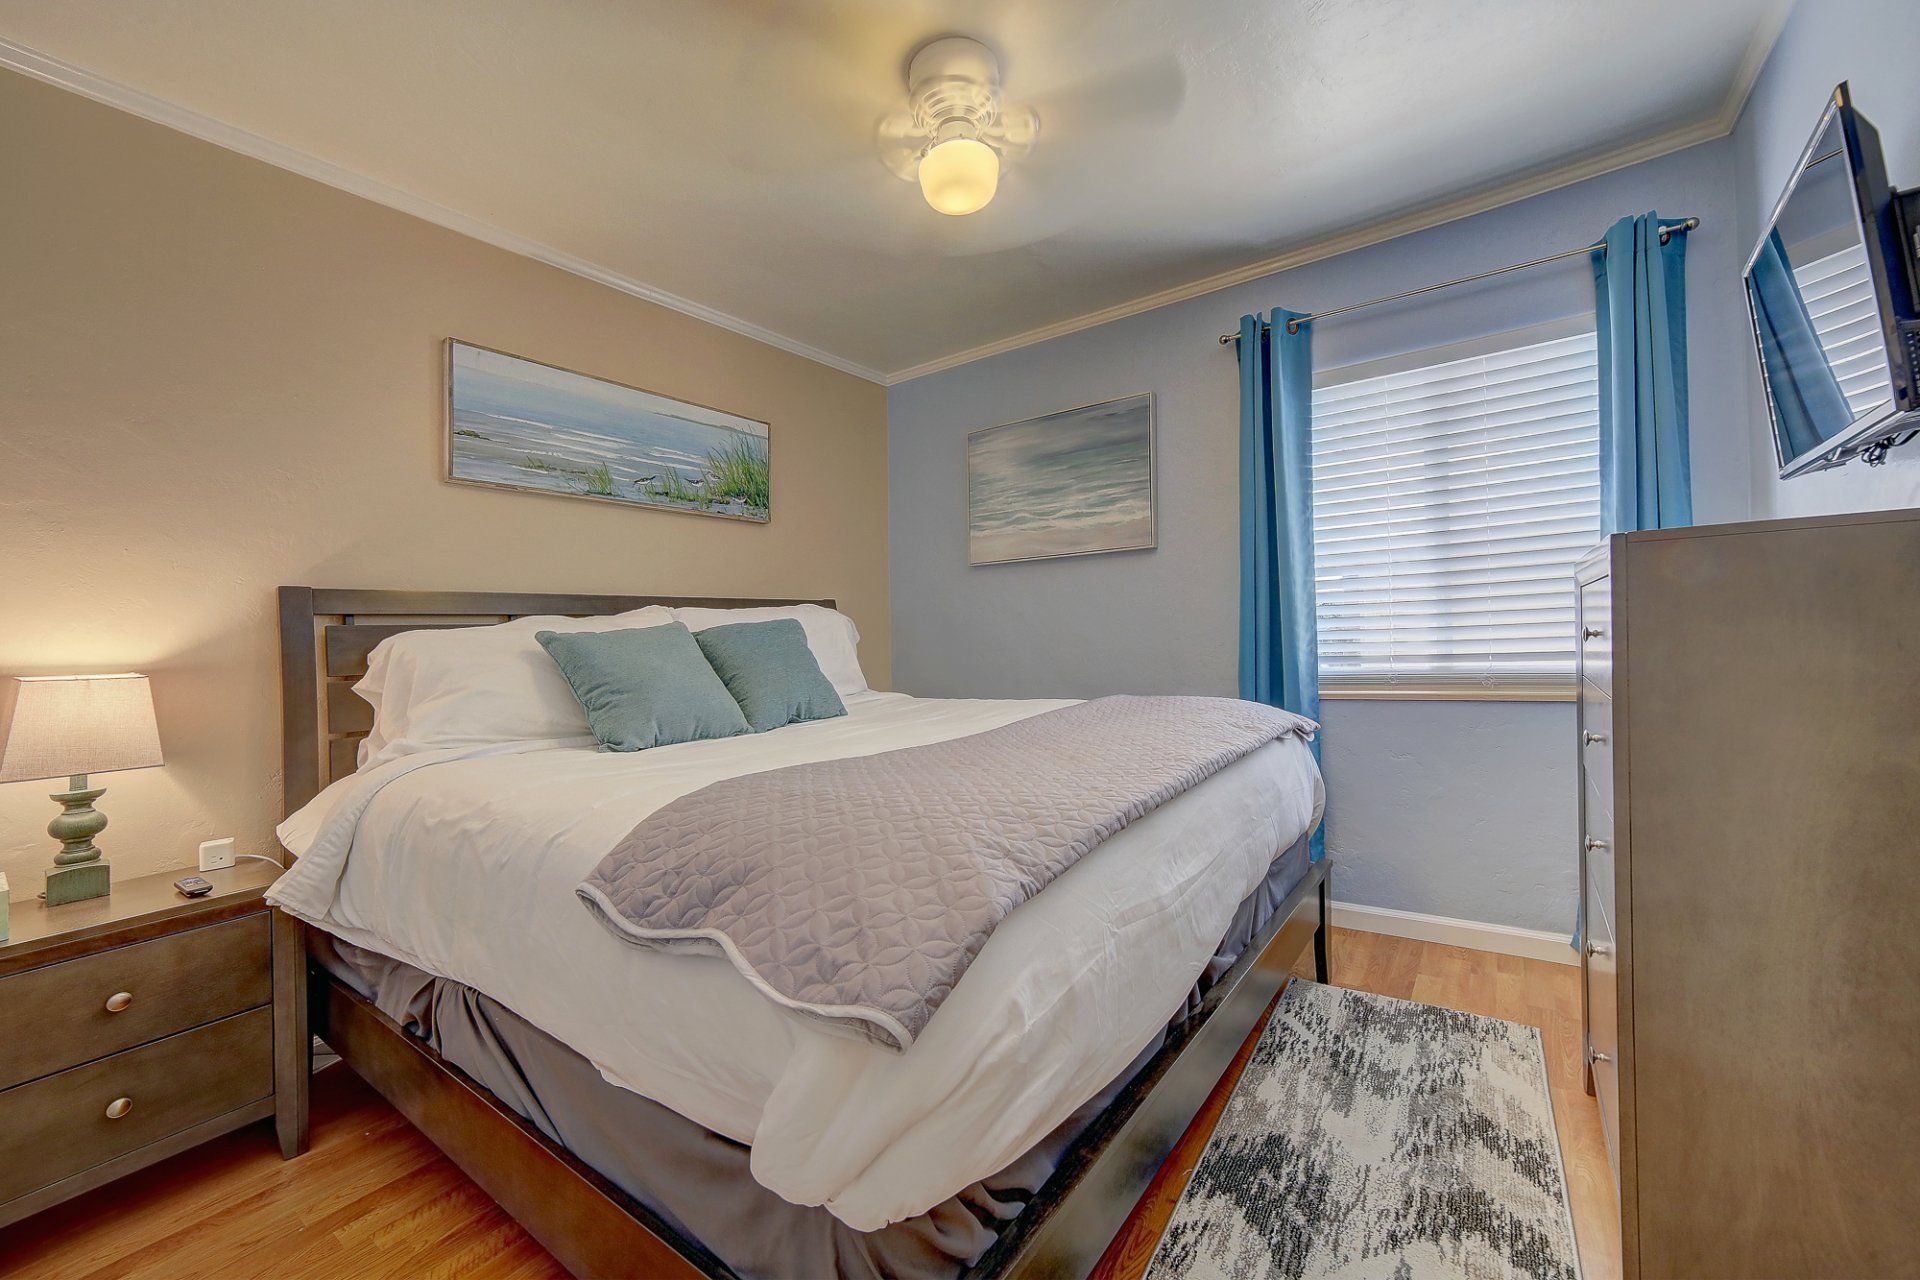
645,687
770,672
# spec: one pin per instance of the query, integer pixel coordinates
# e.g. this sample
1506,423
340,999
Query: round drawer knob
118,1001
119,1107
1593,633
1599,949
1593,739
1595,844
1595,1056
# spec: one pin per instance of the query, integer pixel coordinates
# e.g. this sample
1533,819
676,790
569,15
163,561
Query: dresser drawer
1596,740
1596,633
1597,839
1601,970
70,1013
62,1125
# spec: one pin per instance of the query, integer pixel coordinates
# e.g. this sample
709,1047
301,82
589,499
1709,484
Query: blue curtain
1807,401
1279,634
1641,300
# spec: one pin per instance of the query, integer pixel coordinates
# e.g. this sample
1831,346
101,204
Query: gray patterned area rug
1378,1139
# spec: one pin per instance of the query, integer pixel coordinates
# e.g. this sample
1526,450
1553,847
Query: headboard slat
343,755
347,711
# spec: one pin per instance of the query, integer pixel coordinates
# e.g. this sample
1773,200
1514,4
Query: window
1453,492
1840,301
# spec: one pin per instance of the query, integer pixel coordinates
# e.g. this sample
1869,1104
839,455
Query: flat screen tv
1831,291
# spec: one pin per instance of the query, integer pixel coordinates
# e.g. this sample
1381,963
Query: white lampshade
58,726
960,175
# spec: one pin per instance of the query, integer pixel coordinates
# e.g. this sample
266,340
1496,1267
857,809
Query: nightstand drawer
70,1013
64,1124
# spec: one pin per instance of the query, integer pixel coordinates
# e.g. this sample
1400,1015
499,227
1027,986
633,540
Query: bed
1015,1136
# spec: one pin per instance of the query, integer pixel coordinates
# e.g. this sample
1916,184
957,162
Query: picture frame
524,425
1074,482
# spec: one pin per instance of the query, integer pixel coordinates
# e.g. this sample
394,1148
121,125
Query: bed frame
586,1222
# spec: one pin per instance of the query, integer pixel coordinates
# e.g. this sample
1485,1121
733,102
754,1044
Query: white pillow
830,634
474,686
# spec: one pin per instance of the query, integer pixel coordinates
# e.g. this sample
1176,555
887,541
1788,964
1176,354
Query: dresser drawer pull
1599,949
1593,633
118,1108
1593,739
1595,1056
118,1001
1595,844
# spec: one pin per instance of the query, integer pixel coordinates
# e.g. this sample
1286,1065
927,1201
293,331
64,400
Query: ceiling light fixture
955,133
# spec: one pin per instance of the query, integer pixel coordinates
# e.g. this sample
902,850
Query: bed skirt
699,1181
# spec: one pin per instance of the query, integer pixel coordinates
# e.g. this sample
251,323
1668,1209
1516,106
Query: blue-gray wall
1874,45
1462,809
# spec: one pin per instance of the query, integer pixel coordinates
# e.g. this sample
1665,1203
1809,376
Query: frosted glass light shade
57,726
960,175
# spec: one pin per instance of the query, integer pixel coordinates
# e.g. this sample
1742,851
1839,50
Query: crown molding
65,75
1718,125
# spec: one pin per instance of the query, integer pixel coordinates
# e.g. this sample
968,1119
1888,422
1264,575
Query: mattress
698,1181
462,863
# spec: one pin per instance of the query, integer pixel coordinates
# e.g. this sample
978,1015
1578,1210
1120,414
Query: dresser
1749,747
140,1024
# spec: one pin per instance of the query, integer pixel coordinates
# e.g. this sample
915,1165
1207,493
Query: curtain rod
1667,232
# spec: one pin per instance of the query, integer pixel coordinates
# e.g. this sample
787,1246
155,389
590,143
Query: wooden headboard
326,635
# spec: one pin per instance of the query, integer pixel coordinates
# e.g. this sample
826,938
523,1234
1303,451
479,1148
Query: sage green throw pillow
771,672
649,687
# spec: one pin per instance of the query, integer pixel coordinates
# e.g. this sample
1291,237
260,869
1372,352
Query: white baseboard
1503,939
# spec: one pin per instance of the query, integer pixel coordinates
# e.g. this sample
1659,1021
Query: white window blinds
1451,500
1839,295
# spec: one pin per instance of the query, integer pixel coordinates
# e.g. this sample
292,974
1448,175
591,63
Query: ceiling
719,156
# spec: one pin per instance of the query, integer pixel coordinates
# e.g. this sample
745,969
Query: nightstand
137,1025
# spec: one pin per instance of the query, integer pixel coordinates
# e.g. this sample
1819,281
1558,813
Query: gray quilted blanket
859,890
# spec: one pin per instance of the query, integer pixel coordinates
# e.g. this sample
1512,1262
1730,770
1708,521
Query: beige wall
217,377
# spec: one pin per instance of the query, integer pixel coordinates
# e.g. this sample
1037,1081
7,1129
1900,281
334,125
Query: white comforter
464,863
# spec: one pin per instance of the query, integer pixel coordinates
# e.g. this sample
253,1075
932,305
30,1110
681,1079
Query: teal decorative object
770,672
72,726
644,687
6,906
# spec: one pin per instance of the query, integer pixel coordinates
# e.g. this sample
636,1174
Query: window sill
1440,691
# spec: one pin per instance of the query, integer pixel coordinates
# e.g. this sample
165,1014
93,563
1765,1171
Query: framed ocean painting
1072,483
519,424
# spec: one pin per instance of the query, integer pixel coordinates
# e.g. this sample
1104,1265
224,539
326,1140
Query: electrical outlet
215,854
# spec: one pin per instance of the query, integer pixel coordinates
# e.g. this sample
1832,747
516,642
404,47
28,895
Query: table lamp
71,726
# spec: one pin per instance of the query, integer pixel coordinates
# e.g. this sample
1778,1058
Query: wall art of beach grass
1067,484
519,424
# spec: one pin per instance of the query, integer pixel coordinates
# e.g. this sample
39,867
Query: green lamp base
77,884
78,871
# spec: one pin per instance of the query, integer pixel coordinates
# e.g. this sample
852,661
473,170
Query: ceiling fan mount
953,97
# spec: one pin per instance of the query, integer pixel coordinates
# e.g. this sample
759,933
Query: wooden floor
373,1199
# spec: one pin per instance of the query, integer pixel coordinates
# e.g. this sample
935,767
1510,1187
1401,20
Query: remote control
194,887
